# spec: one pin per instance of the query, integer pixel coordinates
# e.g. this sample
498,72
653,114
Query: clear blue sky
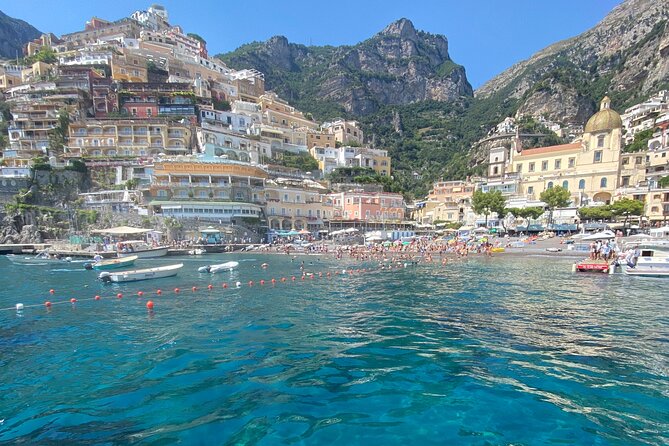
486,36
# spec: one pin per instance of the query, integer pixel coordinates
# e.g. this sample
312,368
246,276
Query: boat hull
122,262
32,260
141,274
227,266
146,254
645,271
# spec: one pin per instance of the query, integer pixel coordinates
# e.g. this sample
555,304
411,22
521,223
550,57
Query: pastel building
294,204
589,169
345,132
278,112
330,158
208,188
447,201
128,138
368,206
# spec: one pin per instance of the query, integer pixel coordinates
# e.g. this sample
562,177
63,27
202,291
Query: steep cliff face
14,33
399,65
626,55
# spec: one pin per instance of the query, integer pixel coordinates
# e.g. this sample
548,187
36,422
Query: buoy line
150,305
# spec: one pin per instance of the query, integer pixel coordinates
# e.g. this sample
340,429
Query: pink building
367,206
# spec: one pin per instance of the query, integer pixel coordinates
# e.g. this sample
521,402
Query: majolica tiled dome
605,119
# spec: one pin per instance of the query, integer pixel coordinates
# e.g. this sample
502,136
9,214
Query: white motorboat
196,252
141,274
227,266
141,249
653,261
43,258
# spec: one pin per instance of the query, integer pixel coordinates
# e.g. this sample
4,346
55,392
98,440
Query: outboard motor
88,266
204,269
105,277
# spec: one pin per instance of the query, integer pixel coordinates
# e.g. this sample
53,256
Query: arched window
565,185
550,185
603,182
581,184
495,170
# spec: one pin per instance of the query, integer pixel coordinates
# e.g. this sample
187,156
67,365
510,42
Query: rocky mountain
14,33
397,66
626,55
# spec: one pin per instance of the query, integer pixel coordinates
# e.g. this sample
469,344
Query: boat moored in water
104,265
141,249
227,266
652,261
141,274
43,258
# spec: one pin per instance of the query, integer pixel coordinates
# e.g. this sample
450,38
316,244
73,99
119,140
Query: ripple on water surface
483,351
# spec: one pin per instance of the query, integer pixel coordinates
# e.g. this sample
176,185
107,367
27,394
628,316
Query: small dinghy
141,274
227,266
104,265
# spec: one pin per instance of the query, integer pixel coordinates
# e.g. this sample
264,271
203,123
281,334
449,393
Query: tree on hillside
664,181
555,197
486,203
640,142
627,207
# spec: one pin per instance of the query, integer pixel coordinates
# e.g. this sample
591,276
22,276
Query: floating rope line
306,276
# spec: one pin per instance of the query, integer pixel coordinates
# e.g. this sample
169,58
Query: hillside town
164,130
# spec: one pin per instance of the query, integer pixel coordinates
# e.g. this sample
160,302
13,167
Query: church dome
605,119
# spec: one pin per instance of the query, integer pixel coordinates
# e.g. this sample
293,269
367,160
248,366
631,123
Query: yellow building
128,138
217,190
447,201
278,112
129,67
657,205
290,204
345,132
316,138
589,169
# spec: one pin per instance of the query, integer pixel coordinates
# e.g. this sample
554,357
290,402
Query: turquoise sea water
506,350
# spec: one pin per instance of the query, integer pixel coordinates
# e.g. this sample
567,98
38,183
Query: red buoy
140,293
159,292
262,281
225,285
194,288
210,286
176,290
149,305
119,295
47,304
273,281
250,282
97,297
51,291
73,300
293,278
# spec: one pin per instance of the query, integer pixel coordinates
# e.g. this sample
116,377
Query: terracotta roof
549,149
